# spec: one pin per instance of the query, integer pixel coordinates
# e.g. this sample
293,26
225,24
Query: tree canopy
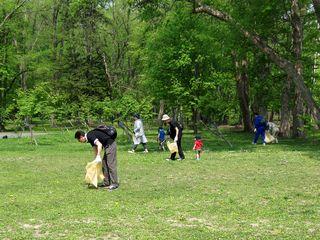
211,60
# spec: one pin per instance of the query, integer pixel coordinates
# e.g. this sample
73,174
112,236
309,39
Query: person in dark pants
259,128
175,132
99,140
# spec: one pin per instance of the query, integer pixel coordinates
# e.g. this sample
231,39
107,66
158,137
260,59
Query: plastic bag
173,147
269,138
94,173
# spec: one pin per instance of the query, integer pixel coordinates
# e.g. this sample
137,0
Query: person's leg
162,145
181,155
111,153
198,154
263,135
145,147
276,133
105,170
134,147
173,156
256,136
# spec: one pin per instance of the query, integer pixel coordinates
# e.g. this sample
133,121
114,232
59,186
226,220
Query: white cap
165,117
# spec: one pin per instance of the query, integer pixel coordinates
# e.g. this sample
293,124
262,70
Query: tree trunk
271,116
23,76
108,76
316,6
161,112
55,42
297,34
285,110
195,119
243,92
297,114
281,62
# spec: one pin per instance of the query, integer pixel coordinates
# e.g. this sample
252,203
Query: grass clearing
248,192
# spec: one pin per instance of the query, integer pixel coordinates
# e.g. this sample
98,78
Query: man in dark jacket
98,140
175,132
259,128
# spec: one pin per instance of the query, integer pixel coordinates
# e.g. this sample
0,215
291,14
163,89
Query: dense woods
211,60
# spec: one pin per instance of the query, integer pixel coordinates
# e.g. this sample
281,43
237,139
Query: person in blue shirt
161,138
259,128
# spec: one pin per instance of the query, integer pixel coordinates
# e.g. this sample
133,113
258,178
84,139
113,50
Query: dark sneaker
103,185
113,187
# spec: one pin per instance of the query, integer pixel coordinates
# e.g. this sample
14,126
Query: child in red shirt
197,147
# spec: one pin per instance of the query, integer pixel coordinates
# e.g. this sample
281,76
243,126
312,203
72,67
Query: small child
197,147
161,138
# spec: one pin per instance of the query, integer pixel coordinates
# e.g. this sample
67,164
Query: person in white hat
175,132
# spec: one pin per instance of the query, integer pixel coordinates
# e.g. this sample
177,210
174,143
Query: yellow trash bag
173,147
94,173
269,138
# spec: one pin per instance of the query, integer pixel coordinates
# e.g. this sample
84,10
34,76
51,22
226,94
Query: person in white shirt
139,135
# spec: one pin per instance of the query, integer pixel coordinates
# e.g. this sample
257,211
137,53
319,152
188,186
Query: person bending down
100,140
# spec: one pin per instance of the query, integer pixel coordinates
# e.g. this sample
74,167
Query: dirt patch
5,135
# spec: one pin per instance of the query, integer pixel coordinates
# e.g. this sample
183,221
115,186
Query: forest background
85,61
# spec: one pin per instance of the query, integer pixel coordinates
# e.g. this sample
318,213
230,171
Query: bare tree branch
9,15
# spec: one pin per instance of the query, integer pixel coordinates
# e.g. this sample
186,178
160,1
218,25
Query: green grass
248,192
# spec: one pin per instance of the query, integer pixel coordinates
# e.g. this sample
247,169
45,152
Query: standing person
175,132
98,140
197,147
139,135
259,128
161,138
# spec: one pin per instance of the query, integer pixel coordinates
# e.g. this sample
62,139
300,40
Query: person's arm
97,150
177,134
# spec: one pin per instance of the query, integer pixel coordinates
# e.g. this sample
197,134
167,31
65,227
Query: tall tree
316,6
280,61
241,65
297,35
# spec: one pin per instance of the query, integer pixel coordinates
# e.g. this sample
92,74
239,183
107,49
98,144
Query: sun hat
165,117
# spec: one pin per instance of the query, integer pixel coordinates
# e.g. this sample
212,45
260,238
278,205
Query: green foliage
36,102
182,62
95,60
129,104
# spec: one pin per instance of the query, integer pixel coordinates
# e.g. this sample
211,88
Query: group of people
100,140
260,128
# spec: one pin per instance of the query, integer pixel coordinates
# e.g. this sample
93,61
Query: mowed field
244,192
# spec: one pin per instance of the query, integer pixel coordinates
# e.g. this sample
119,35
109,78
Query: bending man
98,140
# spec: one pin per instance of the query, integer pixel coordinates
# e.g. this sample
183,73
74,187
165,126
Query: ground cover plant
245,192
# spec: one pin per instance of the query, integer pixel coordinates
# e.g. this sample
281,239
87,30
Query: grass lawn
247,192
